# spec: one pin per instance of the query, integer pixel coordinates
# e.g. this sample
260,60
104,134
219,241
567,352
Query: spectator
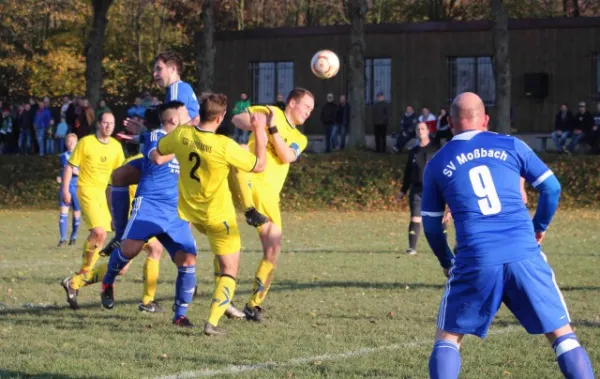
239,135
342,120
428,119
64,107
6,130
102,108
49,139
17,117
380,114
155,102
137,110
442,128
583,121
85,120
595,134
72,114
26,132
61,132
280,103
563,121
42,121
328,113
407,128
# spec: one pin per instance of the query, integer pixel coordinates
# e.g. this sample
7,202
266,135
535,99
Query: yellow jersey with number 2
205,159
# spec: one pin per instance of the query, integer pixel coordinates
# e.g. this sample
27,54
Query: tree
356,11
501,65
94,50
205,48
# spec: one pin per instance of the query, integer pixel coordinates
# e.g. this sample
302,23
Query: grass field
346,303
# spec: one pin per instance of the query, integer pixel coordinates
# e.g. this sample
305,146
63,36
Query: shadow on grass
43,375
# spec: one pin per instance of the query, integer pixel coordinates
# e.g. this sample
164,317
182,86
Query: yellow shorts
266,201
94,208
223,236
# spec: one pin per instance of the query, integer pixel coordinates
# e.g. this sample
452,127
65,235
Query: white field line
239,369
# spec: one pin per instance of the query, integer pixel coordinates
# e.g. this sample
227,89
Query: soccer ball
325,64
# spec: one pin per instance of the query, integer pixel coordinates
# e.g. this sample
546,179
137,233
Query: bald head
467,113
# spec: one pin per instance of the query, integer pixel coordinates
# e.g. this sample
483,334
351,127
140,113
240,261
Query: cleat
211,330
71,294
108,297
183,322
110,247
233,313
62,243
72,241
411,252
253,314
151,307
255,218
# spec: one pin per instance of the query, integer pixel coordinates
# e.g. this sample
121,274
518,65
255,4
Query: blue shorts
474,294
150,218
74,200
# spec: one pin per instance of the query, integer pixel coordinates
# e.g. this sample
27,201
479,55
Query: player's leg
179,242
118,260
63,221
414,227
151,272
76,221
231,312
536,301
470,301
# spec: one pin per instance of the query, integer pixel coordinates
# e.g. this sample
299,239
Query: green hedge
343,181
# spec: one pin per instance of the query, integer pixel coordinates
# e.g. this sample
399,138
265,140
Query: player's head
173,114
132,149
213,107
467,112
422,131
299,105
106,124
151,119
168,67
70,141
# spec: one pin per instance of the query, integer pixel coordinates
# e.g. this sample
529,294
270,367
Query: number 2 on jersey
194,157
483,186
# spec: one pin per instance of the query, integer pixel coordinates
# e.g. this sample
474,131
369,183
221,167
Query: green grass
343,286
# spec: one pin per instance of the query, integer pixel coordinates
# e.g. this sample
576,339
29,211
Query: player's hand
58,179
133,126
446,273
400,196
124,137
258,121
270,118
539,237
447,218
66,196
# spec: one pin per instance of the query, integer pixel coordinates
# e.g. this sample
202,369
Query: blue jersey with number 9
477,174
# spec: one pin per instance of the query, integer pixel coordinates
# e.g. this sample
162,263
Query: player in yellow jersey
262,190
96,156
206,159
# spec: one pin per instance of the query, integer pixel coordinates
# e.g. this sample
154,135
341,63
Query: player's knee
64,210
76,214
455,338
182,258
131,248
98,235
416,219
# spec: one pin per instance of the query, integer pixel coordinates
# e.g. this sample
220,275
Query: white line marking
239,369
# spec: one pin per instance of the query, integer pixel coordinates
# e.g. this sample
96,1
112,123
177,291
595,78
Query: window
596,76
269,79
378,78
473,74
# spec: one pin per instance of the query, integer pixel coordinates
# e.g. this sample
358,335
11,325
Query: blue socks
115,264
62,225
184,289
75,225
120,208
573,361
444,362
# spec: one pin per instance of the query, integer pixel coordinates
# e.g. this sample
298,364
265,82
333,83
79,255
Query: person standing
380,118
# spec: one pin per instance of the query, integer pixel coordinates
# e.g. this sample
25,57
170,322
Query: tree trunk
357,13
205,48
94,50
565,7
575,8
240,15
501,65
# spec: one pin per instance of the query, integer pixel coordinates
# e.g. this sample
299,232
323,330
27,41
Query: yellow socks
85,278
91,254
151,270
262,283
221,298
217,271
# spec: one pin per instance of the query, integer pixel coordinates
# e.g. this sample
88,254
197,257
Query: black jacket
584,122
342,116
563,124
409,123
415,165
328,113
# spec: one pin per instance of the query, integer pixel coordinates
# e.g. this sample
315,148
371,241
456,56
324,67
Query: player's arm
241,158
66,182
166,145
287,154
242,121
151,151
523,191
406,178
432,212
128,174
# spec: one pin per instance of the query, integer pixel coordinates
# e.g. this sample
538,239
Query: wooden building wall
563,48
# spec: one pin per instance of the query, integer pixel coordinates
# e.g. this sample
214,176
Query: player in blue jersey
70,142
497,257
154,214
